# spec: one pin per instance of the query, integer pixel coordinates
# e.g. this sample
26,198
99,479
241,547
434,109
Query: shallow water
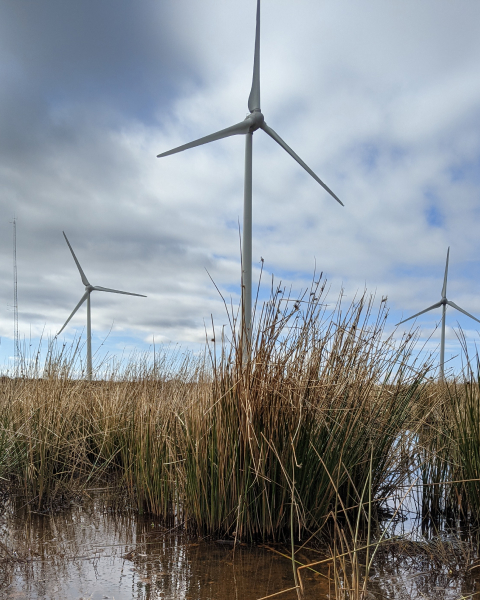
90,552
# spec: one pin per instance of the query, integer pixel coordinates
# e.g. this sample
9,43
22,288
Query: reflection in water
92,552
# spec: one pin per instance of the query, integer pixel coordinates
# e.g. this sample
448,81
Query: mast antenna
16,340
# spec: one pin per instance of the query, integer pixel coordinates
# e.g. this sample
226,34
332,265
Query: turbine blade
238,129
287,148
254,98
82,274
444,289
453,305
102,289
84,297
420,313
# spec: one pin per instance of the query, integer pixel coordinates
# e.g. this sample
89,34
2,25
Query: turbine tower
443,303
86,296
254,121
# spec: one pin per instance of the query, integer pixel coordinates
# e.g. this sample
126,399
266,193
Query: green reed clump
464,432
435,453
316,393
448,447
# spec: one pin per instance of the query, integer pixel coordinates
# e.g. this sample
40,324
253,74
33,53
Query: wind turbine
86,296
254,121
443,303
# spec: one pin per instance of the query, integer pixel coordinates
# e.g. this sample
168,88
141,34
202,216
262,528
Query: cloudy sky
381,99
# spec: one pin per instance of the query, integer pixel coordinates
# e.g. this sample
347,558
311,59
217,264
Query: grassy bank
257,449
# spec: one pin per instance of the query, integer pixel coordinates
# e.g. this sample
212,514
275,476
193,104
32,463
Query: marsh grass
318,392
448,449
462,432
252,449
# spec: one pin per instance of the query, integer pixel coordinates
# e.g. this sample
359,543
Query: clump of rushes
435,453
319,391
447,447
463,432
228,446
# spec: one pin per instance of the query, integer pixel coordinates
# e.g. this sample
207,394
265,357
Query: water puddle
88,551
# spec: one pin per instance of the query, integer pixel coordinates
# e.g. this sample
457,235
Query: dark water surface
89,551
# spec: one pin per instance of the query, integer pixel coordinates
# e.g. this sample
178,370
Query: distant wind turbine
255,120
86,296
443,302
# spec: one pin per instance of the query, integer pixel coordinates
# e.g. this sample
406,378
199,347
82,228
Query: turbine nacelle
256,119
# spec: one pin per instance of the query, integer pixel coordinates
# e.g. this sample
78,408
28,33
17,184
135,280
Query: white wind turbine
443,303
255,120
86,296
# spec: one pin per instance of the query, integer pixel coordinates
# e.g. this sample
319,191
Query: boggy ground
309,439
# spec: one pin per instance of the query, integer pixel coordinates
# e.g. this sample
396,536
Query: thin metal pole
442,345
16,337
247,250
89,341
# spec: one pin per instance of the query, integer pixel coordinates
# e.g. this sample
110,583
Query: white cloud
380,99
